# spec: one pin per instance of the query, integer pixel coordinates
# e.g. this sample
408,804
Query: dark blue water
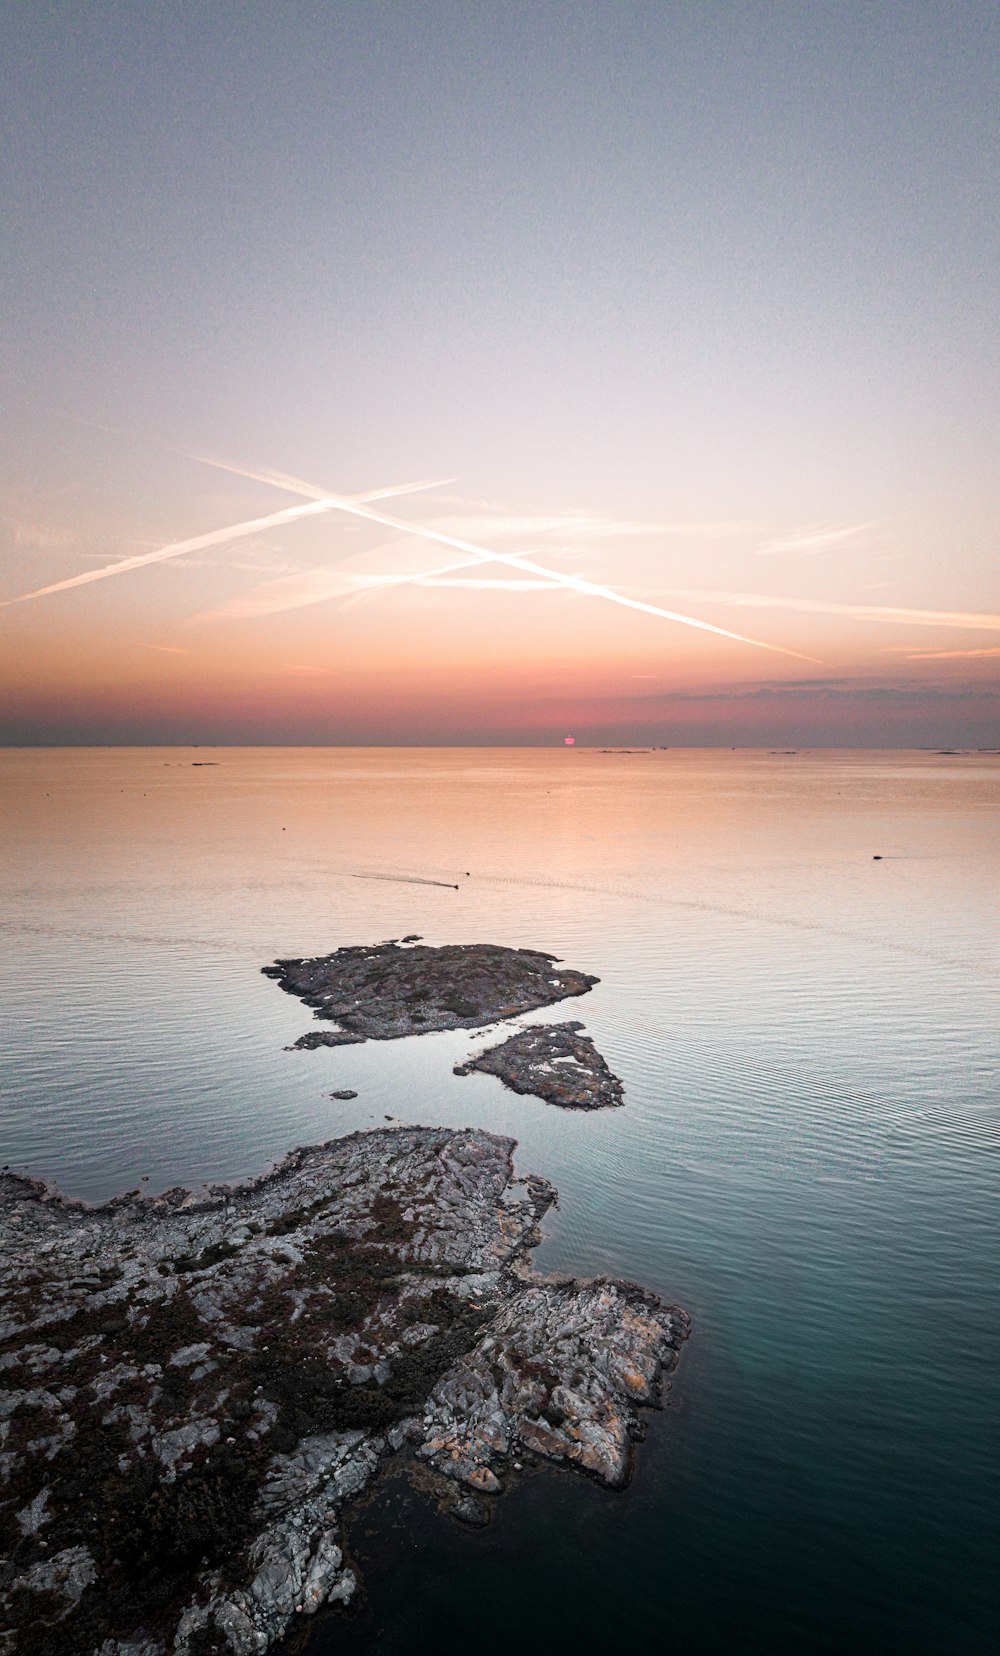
807,1160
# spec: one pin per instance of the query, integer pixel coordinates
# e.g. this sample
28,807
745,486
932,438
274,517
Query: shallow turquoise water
807,1159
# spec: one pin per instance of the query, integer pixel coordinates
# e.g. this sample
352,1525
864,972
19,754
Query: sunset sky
688,305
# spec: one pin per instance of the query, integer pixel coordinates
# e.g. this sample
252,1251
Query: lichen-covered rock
384,991
192,1386
560,1371
554,1062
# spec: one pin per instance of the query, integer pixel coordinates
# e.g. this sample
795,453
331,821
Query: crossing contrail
297,485
516,560
574,583
218,537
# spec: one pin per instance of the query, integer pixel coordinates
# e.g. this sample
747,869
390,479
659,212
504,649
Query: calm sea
807,1159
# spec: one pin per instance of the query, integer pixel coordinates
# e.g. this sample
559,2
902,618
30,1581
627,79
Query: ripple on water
806,1157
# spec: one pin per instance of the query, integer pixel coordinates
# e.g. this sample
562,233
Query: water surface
807,1159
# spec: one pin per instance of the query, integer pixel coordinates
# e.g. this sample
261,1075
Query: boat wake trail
407,879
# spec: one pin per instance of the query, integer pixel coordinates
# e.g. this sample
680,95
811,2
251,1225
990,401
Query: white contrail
215,537
365,586
477,583
970,620
819,539
423,576
574,583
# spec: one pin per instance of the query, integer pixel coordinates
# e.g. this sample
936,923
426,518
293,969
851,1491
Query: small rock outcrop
194,1385
554,1062
384,991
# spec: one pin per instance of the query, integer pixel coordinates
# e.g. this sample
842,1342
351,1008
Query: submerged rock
468,1509
192,1386
553,1061
384,991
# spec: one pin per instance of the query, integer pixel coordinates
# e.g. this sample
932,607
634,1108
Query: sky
682,315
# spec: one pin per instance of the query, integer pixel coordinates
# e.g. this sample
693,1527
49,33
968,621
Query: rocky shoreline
193,1386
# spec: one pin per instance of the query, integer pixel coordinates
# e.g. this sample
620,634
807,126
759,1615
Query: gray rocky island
383,991
194,1385
555,1062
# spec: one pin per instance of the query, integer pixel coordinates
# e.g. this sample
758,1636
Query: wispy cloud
572,527
258,559
949,655
821,537
912,690
167,649
288,592
29,535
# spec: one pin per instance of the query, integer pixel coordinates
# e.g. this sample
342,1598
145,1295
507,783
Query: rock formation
194,1384
553,1061
383,991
